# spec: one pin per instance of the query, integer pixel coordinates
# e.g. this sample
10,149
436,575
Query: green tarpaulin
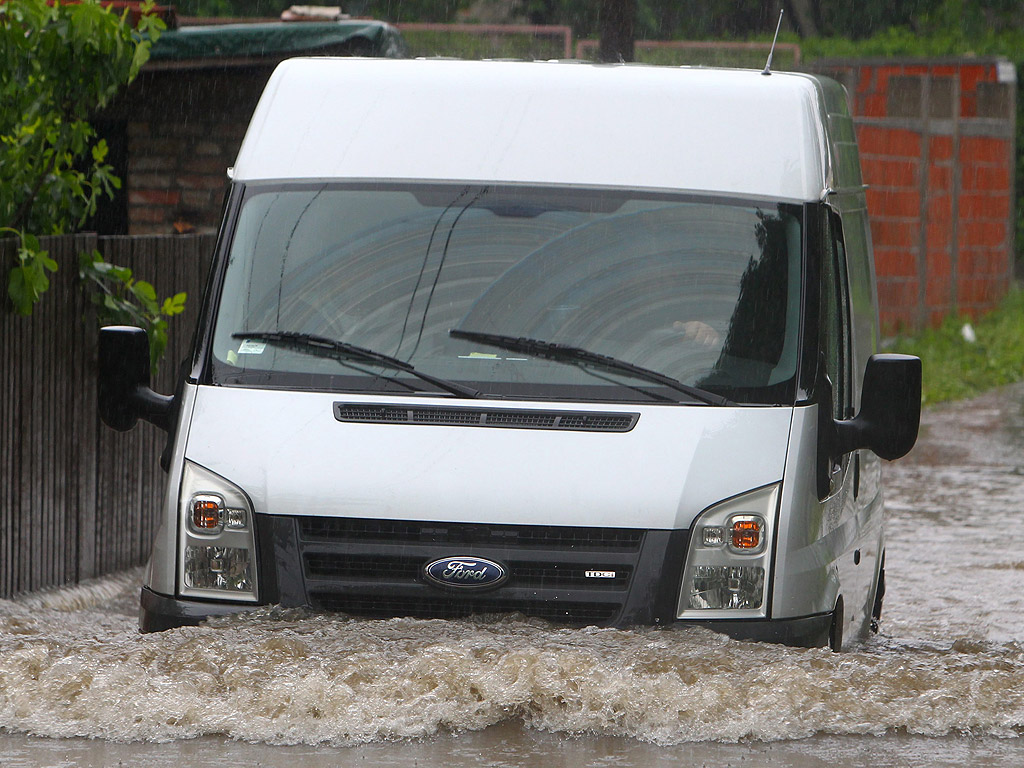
234,41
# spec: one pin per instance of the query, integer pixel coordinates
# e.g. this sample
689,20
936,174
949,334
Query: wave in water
72,666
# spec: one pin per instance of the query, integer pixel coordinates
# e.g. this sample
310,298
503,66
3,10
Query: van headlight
728,563
218,552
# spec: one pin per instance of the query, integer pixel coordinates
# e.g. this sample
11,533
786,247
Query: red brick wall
177,174
937,152
183,131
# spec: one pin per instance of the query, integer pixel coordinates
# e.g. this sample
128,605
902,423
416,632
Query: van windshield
702,291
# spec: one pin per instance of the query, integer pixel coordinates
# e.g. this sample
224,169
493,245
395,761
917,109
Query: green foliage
58,65
120,299
905,41
955,368
28,279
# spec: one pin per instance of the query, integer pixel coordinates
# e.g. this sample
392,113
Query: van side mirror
124,394
890,409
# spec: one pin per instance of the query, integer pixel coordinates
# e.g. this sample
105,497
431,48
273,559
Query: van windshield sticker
251,347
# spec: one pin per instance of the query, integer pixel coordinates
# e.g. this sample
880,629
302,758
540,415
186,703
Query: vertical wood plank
78,499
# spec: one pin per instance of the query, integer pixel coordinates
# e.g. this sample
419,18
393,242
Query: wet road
942,684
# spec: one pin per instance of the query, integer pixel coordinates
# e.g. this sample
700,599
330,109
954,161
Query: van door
838,513
867,466
834,335
843,508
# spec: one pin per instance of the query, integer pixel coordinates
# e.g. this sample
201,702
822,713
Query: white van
592,343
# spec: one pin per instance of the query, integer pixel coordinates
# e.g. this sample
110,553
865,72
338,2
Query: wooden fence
77,499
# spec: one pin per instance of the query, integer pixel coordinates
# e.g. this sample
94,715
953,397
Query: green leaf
99,151
121,299
174,305
20,292
27,279
144,290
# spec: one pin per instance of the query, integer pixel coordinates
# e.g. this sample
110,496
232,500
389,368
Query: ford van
591,343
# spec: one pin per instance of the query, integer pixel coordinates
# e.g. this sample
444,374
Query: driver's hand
695,330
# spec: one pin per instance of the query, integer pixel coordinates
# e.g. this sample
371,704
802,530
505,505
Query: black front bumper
158,612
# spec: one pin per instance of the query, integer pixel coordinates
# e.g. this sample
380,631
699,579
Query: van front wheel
835,632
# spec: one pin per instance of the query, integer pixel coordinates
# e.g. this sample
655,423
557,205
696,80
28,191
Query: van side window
864,319
835,318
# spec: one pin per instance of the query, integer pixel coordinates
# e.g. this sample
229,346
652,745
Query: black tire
835,632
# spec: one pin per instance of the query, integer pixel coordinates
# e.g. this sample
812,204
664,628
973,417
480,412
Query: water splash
288,678
88,594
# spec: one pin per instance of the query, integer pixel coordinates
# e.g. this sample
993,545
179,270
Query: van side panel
858,564
809,540
161,569
831,547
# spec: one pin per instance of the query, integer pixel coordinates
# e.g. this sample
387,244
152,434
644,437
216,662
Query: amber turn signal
746,534
206,512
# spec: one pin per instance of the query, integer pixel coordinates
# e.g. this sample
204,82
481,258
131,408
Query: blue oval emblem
465,573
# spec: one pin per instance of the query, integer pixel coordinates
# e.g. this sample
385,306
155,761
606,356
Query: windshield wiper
566,353
332,349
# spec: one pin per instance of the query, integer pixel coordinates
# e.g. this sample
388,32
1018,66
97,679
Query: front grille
522,573
576,421
375,568
343,529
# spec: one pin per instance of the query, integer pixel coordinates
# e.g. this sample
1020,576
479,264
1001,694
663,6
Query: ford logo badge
465,573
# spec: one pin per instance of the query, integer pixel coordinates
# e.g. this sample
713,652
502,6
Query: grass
955,368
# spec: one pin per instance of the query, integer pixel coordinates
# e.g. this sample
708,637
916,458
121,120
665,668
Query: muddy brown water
941,684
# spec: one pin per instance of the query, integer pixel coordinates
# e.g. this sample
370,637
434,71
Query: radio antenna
768,64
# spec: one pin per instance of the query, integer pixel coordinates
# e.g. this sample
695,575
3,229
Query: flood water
941,684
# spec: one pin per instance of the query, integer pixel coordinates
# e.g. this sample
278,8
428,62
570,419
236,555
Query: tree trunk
617,19
804,15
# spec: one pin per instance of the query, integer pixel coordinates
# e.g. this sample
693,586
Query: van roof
732,132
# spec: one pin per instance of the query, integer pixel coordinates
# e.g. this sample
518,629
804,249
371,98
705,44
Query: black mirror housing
123,393
890,409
